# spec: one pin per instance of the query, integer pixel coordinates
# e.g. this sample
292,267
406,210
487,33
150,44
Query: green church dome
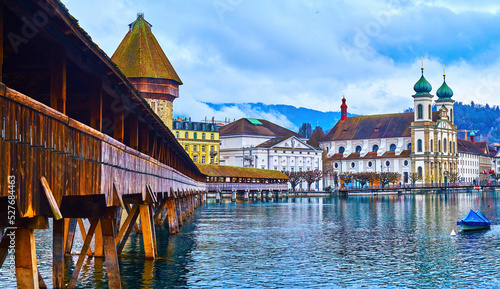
444,92
422,87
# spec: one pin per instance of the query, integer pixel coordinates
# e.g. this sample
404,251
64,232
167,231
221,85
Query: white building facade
264,145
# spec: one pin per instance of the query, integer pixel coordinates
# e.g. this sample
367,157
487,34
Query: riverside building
422,141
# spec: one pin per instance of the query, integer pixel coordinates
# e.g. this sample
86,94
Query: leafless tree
311,177
294,178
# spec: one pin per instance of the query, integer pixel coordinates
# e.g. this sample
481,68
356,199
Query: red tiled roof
243,126
273,141
230,171
374,126
465,146
372,155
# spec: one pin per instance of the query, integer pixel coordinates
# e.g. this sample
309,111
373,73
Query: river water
371,242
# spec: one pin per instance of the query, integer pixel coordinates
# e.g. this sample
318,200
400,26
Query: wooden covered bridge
78,142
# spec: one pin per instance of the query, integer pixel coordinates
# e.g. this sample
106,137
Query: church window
358,149
341,150
177,134
387,163
451,115
430,112
370,164
444,145
419,145
451,148
405,163
420,172
336,165
432,145
375,148
439,146
408,147
392,148
194,135
353,165
420,113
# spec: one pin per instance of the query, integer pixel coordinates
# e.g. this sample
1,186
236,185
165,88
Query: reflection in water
372,241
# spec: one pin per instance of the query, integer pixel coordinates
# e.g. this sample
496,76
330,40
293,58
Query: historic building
262,144
476,160
199,139
422,141
141,59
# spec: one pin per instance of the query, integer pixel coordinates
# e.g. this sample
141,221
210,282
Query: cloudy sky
310,53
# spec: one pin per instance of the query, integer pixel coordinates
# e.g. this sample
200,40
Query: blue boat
474,221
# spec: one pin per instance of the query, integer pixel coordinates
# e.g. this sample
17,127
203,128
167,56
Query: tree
311,177
335,176
316,136
414,177
364,177
294,178
305,129
454,177
388,177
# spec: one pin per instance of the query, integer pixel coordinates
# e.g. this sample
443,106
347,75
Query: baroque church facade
423,141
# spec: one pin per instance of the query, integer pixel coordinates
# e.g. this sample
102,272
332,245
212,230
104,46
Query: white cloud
309,54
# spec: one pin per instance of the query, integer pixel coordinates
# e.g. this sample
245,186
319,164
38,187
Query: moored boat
474,221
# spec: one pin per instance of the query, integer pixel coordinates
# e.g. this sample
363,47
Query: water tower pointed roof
140,55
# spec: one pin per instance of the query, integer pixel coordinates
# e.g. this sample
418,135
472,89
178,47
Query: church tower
422,130
444,94
141,59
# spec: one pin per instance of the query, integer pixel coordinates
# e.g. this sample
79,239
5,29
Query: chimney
472,137
343,109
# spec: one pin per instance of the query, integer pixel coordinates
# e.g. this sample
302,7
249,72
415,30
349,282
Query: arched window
358,149
408,147
430,112
444,145
186,135
451,148
420,113
392,148
341,150
420,172
195,135
419,145
203,136
375,148
336,165
177,134
439,146
451,115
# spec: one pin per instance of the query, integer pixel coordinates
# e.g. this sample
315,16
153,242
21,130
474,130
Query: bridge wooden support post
70,236
112,267
245,196
147,231
58,253
218,195
25,256
98,242
173,225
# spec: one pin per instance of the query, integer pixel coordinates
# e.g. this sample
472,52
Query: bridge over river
80,144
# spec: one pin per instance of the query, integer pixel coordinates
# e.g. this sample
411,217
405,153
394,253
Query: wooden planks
58,78
26,264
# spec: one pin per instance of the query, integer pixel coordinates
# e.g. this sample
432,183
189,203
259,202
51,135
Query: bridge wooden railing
75,159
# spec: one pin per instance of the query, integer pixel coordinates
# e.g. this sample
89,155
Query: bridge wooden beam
147,231
84,235
81,258
119,119
58,78
173,225
70,235
96,104
134,131
127,227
